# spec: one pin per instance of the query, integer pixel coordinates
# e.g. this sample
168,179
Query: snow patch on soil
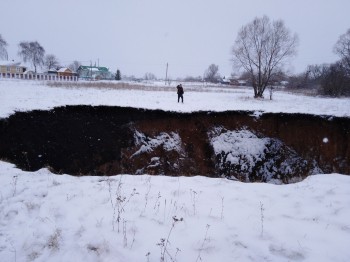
237,143
169,142
242,154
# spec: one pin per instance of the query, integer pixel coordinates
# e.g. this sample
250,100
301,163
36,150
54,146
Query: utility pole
166,73
90,70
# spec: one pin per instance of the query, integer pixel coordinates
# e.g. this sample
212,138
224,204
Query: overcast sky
140,36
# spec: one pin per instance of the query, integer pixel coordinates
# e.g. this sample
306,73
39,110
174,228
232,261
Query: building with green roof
94,73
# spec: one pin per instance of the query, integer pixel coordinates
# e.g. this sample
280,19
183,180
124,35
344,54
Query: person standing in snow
180,93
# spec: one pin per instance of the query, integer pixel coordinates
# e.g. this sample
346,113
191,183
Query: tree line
263,47
261,50
328,79
34,53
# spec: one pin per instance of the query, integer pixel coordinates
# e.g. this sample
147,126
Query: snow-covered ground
47,217
26,95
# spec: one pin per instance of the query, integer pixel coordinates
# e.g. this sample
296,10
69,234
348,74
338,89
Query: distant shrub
335,81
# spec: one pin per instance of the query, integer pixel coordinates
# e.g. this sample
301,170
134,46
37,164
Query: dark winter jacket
180,90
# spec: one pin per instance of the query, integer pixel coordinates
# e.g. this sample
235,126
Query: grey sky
139,36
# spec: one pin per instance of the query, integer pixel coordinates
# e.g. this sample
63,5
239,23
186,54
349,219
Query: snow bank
45,217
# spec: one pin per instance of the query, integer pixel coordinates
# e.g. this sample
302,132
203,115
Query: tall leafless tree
51,62
342,48
261,48
32,52
212,74
74,66
3,50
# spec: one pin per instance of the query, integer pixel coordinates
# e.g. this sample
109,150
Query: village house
64,71
94,73
226,80
11,68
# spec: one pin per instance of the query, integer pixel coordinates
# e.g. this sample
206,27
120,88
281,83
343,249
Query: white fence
42,77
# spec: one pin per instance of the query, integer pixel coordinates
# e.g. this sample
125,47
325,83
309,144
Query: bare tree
3,46
150,76
74,66
261,49
32,52
192,79
51,62
335,80
212,74
342,48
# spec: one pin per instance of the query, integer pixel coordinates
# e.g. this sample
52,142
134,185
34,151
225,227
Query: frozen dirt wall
85,140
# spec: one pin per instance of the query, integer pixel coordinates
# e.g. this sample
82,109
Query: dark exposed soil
85,140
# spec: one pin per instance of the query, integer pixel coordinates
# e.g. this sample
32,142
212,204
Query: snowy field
47,217
23,96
